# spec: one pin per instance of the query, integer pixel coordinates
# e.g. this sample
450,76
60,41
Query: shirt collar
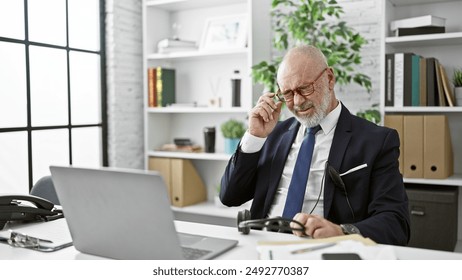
330,121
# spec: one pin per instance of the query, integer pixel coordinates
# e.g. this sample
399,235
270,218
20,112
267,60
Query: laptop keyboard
193,253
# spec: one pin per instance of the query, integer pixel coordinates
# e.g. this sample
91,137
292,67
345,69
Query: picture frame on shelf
227,32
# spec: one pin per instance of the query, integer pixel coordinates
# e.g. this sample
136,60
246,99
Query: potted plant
233,131
457,80
314,22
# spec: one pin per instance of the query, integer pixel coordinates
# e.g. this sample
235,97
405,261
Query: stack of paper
175,45
314,248
428,24
48,236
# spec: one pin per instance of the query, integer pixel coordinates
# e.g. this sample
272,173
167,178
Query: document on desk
314,248
42,236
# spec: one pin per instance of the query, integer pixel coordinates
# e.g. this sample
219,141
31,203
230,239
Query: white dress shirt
323,142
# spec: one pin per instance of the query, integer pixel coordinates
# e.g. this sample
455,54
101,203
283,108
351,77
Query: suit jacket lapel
337,151
278,162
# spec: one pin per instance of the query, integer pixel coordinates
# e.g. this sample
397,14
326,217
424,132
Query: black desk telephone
16,208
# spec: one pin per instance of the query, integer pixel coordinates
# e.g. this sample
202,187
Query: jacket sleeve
239,178
388,214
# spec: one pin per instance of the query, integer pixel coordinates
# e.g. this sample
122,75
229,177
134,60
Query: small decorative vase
458,95
231,145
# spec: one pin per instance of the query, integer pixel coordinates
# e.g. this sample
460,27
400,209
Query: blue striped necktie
296,193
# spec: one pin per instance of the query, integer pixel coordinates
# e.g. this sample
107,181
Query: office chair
45,188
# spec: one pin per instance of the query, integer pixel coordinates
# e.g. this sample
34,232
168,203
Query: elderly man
331,171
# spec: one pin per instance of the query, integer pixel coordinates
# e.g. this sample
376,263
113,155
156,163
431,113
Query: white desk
246,249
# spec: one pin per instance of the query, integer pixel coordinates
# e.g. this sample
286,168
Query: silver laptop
126,214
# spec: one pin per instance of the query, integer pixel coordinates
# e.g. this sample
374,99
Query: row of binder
426,148
413,80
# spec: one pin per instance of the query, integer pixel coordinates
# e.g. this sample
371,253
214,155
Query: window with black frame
52,88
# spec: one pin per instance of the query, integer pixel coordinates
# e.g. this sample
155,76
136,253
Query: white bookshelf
201,75
446,48
451,38
197,54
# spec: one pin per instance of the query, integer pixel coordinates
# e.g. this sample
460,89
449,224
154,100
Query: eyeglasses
305,90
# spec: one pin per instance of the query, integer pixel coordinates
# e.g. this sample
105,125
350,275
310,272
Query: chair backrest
44,188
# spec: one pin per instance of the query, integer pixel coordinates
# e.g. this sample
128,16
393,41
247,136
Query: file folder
413,146
438,157
397,122
185,186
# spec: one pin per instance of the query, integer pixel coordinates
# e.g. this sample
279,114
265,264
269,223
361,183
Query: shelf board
454,180
436,109
197,54
451,38
177,5
211,209
204,156
414,2
224,110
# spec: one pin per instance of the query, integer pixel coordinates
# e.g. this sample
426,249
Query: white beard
319,114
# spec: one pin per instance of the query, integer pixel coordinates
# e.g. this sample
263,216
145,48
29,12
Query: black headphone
279,224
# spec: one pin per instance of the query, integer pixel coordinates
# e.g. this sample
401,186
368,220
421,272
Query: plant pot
231,145
458,95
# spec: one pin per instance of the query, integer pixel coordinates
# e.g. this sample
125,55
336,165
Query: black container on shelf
236,89
209,139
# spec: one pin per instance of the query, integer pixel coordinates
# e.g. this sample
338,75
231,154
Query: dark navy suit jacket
376,193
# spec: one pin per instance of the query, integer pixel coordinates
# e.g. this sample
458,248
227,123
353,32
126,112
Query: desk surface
246,249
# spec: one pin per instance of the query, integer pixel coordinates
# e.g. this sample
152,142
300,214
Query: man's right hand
264,116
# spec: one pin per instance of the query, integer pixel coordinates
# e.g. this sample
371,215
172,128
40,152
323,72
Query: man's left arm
388,213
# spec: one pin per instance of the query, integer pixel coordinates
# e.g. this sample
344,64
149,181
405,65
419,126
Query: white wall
124,73
365,17
125,83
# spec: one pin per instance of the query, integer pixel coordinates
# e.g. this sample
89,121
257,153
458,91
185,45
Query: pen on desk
314,248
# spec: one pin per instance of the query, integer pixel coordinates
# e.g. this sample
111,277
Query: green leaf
314,22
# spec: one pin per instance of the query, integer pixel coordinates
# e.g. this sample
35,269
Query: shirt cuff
251,144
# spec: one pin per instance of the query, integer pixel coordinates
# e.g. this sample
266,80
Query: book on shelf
389,79
419,30
431,83
423,82
447,87
413,80
177,49
183,148
439,85
161,87
152,94
403,79
421,21
176,45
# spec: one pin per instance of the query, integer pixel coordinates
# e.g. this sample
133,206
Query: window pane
12,19
49,147
85,88
48,80
47,21
13,95
14,176
86,147
84,24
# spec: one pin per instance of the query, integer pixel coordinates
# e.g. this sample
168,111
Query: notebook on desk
126,214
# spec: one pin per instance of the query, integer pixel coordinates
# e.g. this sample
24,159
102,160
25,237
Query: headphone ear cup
242,217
